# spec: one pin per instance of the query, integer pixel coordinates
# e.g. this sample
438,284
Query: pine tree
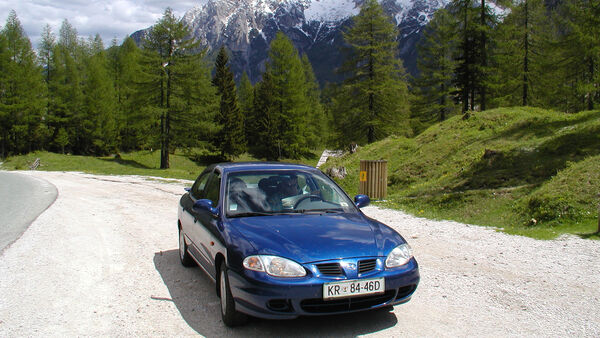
468,77
195,103
67,102
376,99
132,127
520,53
245,94
580,47
287,75
100,105
315,132
22,96
436,65
264,134
45,51
167,44
231,139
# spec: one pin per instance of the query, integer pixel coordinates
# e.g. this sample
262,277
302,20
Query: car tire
230,316
184,256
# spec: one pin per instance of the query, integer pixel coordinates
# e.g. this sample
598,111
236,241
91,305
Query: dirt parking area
102,261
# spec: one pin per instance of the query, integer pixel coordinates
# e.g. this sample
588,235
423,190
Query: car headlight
274,266
399,256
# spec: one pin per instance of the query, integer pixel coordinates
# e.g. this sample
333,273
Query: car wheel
184,255
230,316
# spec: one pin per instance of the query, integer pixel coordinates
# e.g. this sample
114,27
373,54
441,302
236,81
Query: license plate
350,288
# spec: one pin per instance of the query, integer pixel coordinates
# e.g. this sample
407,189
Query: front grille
367,265
318,305
330,269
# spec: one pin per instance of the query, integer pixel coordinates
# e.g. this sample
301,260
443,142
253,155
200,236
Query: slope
524,170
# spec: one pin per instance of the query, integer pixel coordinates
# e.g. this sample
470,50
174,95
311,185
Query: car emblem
350,266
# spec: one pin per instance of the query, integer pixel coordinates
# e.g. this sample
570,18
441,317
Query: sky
109,18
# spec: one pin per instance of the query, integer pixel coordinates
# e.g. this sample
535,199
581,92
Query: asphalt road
22,200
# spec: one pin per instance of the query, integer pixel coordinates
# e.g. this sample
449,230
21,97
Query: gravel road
102,261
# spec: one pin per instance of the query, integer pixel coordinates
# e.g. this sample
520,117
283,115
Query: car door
204,230
186,212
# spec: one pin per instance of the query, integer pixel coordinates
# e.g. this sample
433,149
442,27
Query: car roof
245,166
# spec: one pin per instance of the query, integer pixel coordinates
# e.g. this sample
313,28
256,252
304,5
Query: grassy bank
526,171
137,163
146,163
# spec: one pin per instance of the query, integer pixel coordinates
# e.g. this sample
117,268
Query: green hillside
525,170
145,163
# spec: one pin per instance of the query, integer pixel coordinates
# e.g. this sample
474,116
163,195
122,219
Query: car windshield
271,192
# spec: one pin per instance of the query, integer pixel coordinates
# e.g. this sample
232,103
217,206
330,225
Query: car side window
199,185
213,187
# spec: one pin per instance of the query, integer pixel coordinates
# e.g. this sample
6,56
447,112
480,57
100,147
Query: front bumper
263,296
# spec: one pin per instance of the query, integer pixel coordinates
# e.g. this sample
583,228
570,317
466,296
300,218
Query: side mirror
206,205
362,201
187,189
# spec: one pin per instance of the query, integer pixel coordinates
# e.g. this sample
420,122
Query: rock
335,172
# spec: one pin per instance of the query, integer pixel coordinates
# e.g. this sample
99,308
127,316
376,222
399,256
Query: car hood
311,238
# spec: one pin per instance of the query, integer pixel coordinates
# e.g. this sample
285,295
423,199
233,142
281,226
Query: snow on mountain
247,27
330,10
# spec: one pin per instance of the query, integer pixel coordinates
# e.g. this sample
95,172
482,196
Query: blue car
283,240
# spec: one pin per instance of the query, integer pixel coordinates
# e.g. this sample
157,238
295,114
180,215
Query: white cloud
109,18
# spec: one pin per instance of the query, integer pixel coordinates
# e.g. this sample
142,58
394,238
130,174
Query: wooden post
373,179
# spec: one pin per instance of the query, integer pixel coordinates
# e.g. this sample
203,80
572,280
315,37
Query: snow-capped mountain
246,27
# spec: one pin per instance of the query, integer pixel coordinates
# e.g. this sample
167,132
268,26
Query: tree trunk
591,94
482,97
2,146
443,104
526,57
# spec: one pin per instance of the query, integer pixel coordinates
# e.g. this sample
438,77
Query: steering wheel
301,199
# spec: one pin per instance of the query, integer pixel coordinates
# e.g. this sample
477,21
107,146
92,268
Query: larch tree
436,64
230,139
101,107
167,44
376,98
289,95
22,95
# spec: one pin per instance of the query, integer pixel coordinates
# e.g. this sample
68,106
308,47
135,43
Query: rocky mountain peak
246,27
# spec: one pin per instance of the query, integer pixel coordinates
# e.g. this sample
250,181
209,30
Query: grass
145,163
525,171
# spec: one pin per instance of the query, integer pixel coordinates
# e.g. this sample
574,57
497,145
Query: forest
76,96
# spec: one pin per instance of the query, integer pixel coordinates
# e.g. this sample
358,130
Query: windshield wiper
320,211
250,214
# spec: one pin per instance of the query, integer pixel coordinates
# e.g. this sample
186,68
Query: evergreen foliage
316,131
519,55
264,137
230,140
100,106
434,89
374,100
468,76
168,94
125,71
22,99
76,97
245,92
281,105
580,51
